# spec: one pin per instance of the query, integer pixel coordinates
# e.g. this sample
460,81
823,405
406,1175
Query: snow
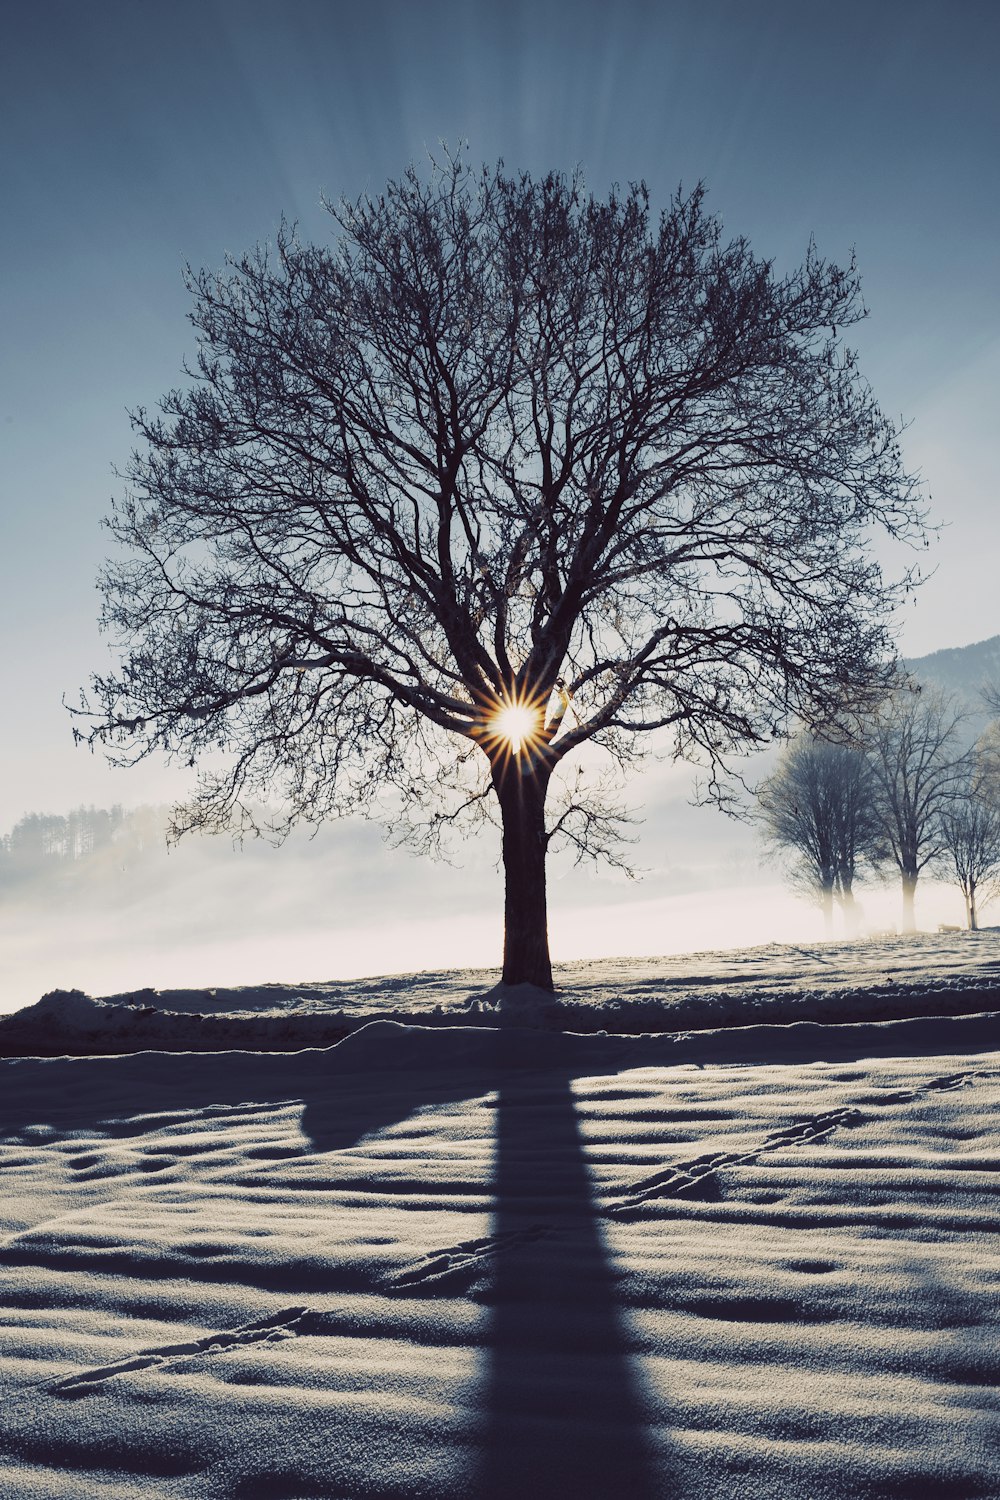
465,1257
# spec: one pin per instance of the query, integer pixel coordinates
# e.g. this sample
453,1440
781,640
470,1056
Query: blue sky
138,136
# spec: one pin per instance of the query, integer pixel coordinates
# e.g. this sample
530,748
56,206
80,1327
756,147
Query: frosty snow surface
458,1260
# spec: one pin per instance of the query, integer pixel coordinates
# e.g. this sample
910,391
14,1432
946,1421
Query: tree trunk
973,921
850,908
909,891
520,784
826,905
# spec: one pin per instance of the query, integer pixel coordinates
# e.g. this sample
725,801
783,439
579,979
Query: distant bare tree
987,755
504,471
819,805
919,769
970,827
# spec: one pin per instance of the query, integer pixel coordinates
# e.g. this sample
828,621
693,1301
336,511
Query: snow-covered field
874,979
486,1259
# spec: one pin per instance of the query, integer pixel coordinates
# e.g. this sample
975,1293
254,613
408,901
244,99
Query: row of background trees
903,790
79,841
38,838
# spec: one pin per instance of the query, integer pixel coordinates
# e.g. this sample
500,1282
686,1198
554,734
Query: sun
516,723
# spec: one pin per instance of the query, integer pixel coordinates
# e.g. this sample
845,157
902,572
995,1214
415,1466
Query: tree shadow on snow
561,1412
563,1415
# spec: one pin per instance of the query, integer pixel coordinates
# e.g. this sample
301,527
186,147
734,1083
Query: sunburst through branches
515,726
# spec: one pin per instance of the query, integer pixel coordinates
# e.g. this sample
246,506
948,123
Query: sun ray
517,724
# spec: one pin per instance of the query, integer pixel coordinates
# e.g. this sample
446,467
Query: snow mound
71,1010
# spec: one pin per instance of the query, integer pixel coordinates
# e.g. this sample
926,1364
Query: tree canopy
501,446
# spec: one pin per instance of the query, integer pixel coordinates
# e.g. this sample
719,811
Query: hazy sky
136,137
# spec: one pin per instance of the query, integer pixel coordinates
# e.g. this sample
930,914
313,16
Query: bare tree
970,829
504,471
987,755
919,770
819,804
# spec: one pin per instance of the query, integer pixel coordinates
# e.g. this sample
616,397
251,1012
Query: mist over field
341,904
95,900
136,914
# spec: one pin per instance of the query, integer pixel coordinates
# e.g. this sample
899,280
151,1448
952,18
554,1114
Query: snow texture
491,1260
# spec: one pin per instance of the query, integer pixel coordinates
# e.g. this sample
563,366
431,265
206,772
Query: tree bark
849,907
909,891
521,784
826,905
973,920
